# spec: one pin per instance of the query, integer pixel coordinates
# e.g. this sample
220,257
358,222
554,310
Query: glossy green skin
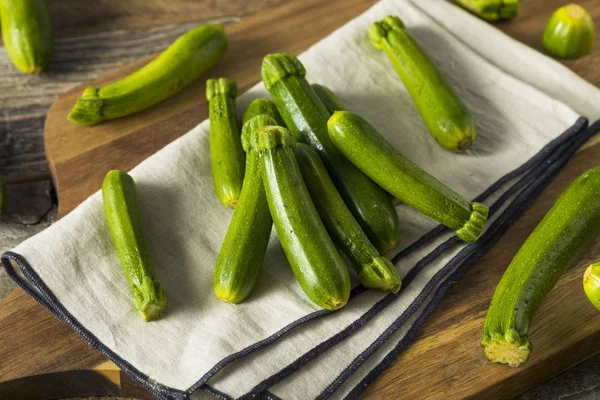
375,271
3,195
306,117
262,107
184,61
226,153
247,238
564,232
27,33
318,266
591,284
378,159
328,98
125,222
445,115
492,10
570,32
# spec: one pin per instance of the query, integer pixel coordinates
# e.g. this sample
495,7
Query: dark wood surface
138,30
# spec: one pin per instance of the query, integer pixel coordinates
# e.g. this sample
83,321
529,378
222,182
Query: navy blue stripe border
48,300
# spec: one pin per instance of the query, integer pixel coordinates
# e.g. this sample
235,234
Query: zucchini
306,117
184,61
570,32
374,271
243,250
444,114
564,232
27,34
262,106
378,159
591,284
328,98
226,153
122,211
317,265
492,10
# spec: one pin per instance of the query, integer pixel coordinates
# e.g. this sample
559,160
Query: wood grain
451,335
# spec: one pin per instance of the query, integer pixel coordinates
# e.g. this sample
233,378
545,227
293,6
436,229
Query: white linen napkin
526,107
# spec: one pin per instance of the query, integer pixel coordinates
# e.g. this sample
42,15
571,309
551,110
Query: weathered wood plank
30,209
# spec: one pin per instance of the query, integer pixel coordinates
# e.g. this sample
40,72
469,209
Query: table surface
92,38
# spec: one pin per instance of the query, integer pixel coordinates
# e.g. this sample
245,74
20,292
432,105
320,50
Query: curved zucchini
306,117
566,230
184,61
125,222
262,106
328,98
445,115
247,238
378,159
27,34
318,266
591,284
374,271
227,155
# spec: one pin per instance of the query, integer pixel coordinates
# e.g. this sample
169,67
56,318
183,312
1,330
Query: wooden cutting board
42,358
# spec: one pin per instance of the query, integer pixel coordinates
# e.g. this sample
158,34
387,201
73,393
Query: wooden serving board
445,361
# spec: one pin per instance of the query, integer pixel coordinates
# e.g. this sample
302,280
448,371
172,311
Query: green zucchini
262,106
591,284
378,159
328,98
306,117
492,10
564,232
318,266
570,32
445,115
122,211
226,153
374,271
184,61
27,33
243,250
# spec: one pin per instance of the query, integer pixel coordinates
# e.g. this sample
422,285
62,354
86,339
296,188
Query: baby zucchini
591,284
444,114
262,106
401,177
125,222
306,117
570,32
318,266
245,243
27,33
227,155
566,230
184,61
328,98
374,271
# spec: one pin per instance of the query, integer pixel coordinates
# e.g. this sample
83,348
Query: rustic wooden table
95,37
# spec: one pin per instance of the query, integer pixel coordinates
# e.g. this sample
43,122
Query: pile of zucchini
326,179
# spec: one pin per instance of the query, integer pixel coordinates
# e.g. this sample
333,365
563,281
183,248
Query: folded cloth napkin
277,343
